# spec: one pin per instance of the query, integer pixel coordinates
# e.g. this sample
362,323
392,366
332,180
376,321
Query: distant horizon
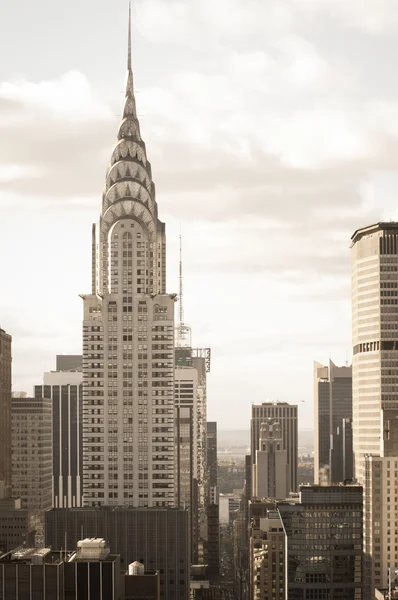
248,429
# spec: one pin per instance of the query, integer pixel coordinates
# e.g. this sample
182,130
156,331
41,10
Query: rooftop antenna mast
183,331
180,298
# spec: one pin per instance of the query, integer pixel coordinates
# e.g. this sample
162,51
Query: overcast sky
272,128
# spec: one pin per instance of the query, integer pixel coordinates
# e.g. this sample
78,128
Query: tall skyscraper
286,415
64,387
32,456
375,393
332,420
128,337
5,412
270,471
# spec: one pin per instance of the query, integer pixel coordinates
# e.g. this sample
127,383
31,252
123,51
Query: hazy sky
272,128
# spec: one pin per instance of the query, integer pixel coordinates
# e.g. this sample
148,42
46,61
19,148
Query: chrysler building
128,336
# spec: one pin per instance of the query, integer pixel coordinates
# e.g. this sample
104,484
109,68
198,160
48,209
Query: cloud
69,97
369,16
272,146
56,137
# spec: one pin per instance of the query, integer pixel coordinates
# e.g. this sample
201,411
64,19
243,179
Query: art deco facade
375,392
333,460
5,411
286,415
270,471
128,337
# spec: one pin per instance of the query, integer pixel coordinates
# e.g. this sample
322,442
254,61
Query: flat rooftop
381,226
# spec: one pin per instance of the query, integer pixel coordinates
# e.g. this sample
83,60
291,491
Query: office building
190,392
286,415
213,542
268,557
333,458
212,464
140,583
187,428
128,337
324,533
90,572
191,431
5,411
16,527
69,362
270,471
64,388
374,254
32,457
157,537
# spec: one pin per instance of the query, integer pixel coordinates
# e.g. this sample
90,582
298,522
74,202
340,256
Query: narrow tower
128,336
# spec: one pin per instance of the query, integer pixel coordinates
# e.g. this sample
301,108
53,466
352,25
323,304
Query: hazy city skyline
272,135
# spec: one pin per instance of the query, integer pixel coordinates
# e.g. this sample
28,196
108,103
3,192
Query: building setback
286,415
128,337
65,390
270,471
5,412
159,538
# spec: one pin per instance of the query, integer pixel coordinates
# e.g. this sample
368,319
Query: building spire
183,331
129,107
129,41
181,306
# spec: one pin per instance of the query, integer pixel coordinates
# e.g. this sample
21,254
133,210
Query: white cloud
68,97
369,16
15,172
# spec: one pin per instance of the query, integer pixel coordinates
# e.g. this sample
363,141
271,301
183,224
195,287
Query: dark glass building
212,453
89,573
156,537
5,412
325,542
333,454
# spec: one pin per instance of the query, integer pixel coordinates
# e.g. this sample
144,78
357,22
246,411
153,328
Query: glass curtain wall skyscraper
128,336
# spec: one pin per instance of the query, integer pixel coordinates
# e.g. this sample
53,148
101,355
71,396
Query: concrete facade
270,471
286,415
374,256
268,557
